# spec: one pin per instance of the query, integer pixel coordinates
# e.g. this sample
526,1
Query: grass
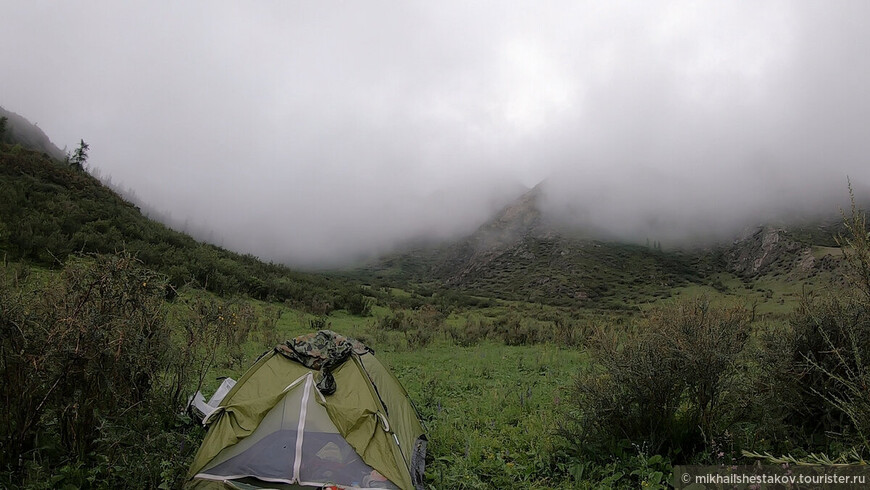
491,410
770,295
819,252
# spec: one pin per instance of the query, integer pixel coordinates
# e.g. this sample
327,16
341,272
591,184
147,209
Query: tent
317,411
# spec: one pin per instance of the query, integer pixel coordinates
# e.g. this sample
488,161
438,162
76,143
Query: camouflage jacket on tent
323,351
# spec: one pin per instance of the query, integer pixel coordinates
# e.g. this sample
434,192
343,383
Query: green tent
318,411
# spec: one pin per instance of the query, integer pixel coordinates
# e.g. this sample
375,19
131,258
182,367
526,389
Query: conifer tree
80,156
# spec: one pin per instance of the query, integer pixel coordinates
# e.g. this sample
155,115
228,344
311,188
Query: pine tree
80,156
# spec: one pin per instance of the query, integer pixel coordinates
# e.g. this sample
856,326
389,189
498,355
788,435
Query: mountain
521,253
51,211
798,251
21,131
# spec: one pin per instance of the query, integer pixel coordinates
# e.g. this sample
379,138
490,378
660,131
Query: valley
497,337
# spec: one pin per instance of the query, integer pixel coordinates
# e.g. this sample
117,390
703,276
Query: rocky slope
796,251
521,254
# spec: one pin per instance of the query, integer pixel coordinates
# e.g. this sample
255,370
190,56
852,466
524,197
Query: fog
316,133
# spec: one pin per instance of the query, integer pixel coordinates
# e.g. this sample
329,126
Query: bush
821,382
204,329
567,331
358,304
94,373
320,323
419,337
89,346
515,330
422,326
663,385
83,361
395,323
475,329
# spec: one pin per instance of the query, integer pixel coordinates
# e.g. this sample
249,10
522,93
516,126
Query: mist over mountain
317,136
714,214
21,131
529,251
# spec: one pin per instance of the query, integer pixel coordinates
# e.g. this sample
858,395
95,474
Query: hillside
50,210
21,131
797,251
522,254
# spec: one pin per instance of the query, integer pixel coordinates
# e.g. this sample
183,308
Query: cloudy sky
312,132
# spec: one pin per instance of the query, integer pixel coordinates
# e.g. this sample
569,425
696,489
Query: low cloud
314,135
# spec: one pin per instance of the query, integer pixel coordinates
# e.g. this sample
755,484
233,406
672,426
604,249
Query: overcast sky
311,132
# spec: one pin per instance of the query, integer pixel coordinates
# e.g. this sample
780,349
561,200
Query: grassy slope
553,271
558,270
21,131
49,211
595,273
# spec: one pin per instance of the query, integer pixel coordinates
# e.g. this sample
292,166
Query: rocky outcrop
764,249
504,233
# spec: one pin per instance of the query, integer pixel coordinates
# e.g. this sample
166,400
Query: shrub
94,373
513,329
395,323
204,329
419,337
822,379
83,364
91,345
567,331
663,385
358,304
428,317
475,329
708,342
